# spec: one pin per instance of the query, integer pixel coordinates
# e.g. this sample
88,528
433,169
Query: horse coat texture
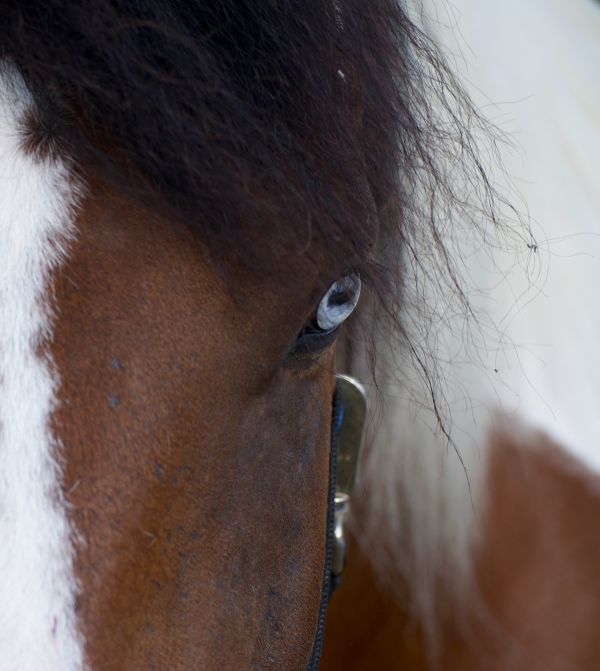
38,627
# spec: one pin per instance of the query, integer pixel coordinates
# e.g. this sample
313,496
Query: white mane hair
525,350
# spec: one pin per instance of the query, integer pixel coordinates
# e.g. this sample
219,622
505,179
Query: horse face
195,448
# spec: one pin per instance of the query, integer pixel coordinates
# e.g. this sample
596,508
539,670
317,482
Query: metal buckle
353,402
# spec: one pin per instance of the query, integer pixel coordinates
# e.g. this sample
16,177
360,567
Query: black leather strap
328,586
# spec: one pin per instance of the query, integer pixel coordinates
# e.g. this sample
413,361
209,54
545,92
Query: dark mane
264,124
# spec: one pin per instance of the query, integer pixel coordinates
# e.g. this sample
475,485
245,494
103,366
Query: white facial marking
339,302
37,588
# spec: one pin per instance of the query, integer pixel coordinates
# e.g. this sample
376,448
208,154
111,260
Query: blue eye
335,307
339,302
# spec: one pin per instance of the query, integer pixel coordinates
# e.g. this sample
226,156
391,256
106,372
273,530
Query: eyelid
313,341
337,304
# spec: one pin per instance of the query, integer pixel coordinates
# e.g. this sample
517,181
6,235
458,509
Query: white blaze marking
37,587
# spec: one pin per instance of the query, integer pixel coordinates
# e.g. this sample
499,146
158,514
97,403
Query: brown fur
269,148
536,567
195,450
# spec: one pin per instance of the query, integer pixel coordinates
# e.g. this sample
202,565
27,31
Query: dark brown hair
263,124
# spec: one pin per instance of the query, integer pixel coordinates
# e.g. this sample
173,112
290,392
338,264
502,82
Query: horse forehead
36,582
38,245
159,422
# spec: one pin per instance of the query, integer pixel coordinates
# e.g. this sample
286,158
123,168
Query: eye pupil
339,298
339,302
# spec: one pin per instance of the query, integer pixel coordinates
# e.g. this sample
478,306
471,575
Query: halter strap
347,422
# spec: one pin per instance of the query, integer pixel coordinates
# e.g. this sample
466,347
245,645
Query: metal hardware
353,403
348,418
342,508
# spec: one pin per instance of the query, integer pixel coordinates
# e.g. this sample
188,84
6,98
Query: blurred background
532,67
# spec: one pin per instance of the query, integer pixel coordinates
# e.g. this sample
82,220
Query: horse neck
514,373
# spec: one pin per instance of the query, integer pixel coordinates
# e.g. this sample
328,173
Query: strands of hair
267,125
253,121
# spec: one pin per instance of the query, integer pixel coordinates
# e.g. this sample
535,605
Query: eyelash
335,306
313,340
